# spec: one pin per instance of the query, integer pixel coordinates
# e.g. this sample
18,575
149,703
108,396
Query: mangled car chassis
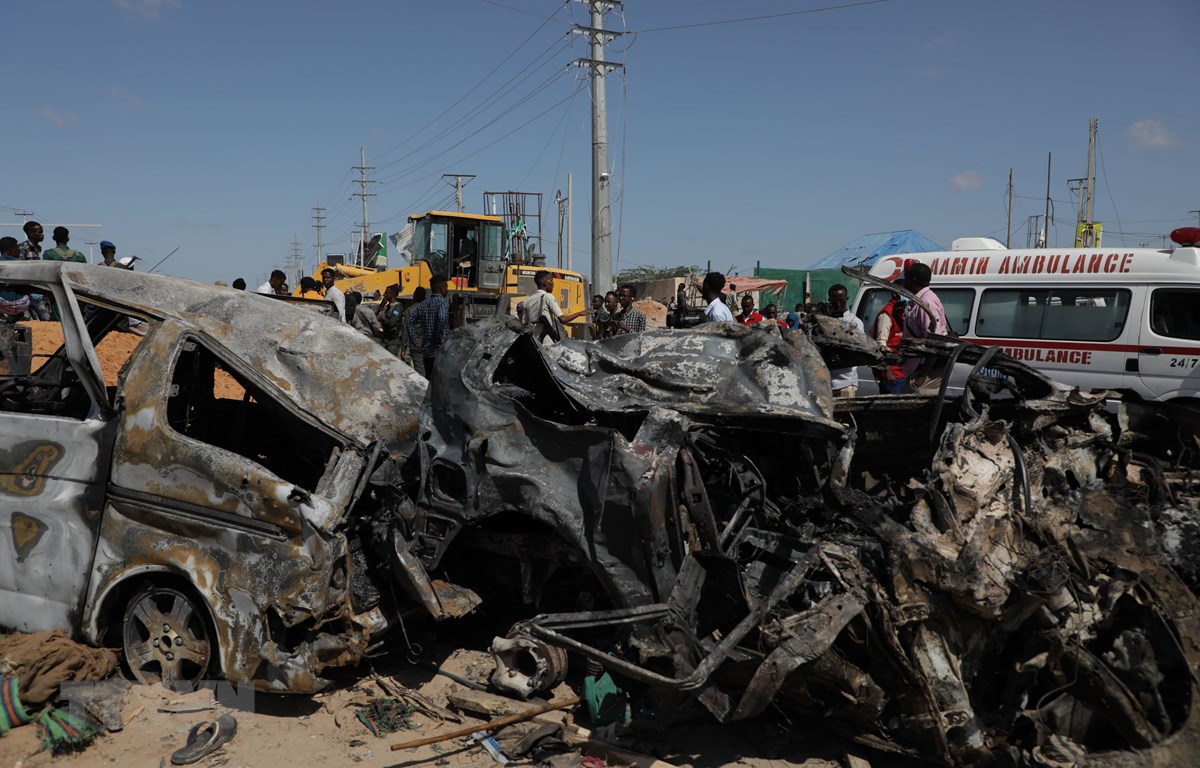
956,580
959,579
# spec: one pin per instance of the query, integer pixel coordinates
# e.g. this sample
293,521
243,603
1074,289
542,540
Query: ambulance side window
957,303
1173,313
872,302
1075,314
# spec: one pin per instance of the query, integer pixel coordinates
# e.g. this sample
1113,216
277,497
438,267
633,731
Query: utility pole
89,244
1008,234
458,185
362,169
570,229
601,211
561,202
1091,171
1085,231
1033,234
319,218
1046,240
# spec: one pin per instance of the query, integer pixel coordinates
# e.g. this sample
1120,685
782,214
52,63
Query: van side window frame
1172,315
1053,313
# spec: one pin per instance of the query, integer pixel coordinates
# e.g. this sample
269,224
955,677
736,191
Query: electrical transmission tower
601,210
297,262
319,224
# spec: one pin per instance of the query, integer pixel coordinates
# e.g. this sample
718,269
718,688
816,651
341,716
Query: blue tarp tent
867,249
813,284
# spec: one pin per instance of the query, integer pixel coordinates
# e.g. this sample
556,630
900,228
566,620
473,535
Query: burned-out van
203,507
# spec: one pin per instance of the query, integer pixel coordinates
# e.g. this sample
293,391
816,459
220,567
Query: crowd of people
895,322
415,331
16,306
412,331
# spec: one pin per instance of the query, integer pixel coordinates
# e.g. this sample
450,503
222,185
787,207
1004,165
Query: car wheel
166,637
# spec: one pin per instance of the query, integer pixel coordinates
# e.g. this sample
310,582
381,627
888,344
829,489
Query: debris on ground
887,586
43,661
204,739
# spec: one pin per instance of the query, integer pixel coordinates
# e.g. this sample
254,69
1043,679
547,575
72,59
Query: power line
537,90
758,18
479,108
472,89
561,123
527,13
490,144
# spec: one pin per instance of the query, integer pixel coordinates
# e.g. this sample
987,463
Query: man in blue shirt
433,314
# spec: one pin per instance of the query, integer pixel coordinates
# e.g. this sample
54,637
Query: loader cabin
468,249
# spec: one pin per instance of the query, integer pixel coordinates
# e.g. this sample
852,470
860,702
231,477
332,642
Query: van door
54,459
1168,352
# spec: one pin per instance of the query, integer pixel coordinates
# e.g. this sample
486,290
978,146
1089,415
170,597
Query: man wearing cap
61,251
31,250
109,252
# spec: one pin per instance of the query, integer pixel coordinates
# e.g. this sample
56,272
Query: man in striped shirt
628,320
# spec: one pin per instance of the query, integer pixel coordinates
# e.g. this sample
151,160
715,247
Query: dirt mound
113,350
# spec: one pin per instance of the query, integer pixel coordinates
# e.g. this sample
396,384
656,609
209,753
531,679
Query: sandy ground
323,730
313,730
112,351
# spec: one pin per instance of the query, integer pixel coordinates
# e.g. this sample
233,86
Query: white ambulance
1097,318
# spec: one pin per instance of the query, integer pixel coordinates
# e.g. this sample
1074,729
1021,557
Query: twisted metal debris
997,594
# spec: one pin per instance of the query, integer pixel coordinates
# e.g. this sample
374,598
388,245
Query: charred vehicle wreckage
999,576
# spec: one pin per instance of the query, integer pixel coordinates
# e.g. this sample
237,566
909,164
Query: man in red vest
888,330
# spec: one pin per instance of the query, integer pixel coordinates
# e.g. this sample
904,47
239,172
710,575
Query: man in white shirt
716,312
333,293
273,284
542,310
843,380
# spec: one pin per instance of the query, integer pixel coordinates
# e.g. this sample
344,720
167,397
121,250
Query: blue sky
216,127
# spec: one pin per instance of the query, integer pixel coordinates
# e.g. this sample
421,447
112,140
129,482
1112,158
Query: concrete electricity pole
319,218
570,220
1046,240
458,185
1085,236
602,278
362,169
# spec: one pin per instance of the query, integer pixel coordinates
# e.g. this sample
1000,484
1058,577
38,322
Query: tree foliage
647,274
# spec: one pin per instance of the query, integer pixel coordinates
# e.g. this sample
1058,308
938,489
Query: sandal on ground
204,739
